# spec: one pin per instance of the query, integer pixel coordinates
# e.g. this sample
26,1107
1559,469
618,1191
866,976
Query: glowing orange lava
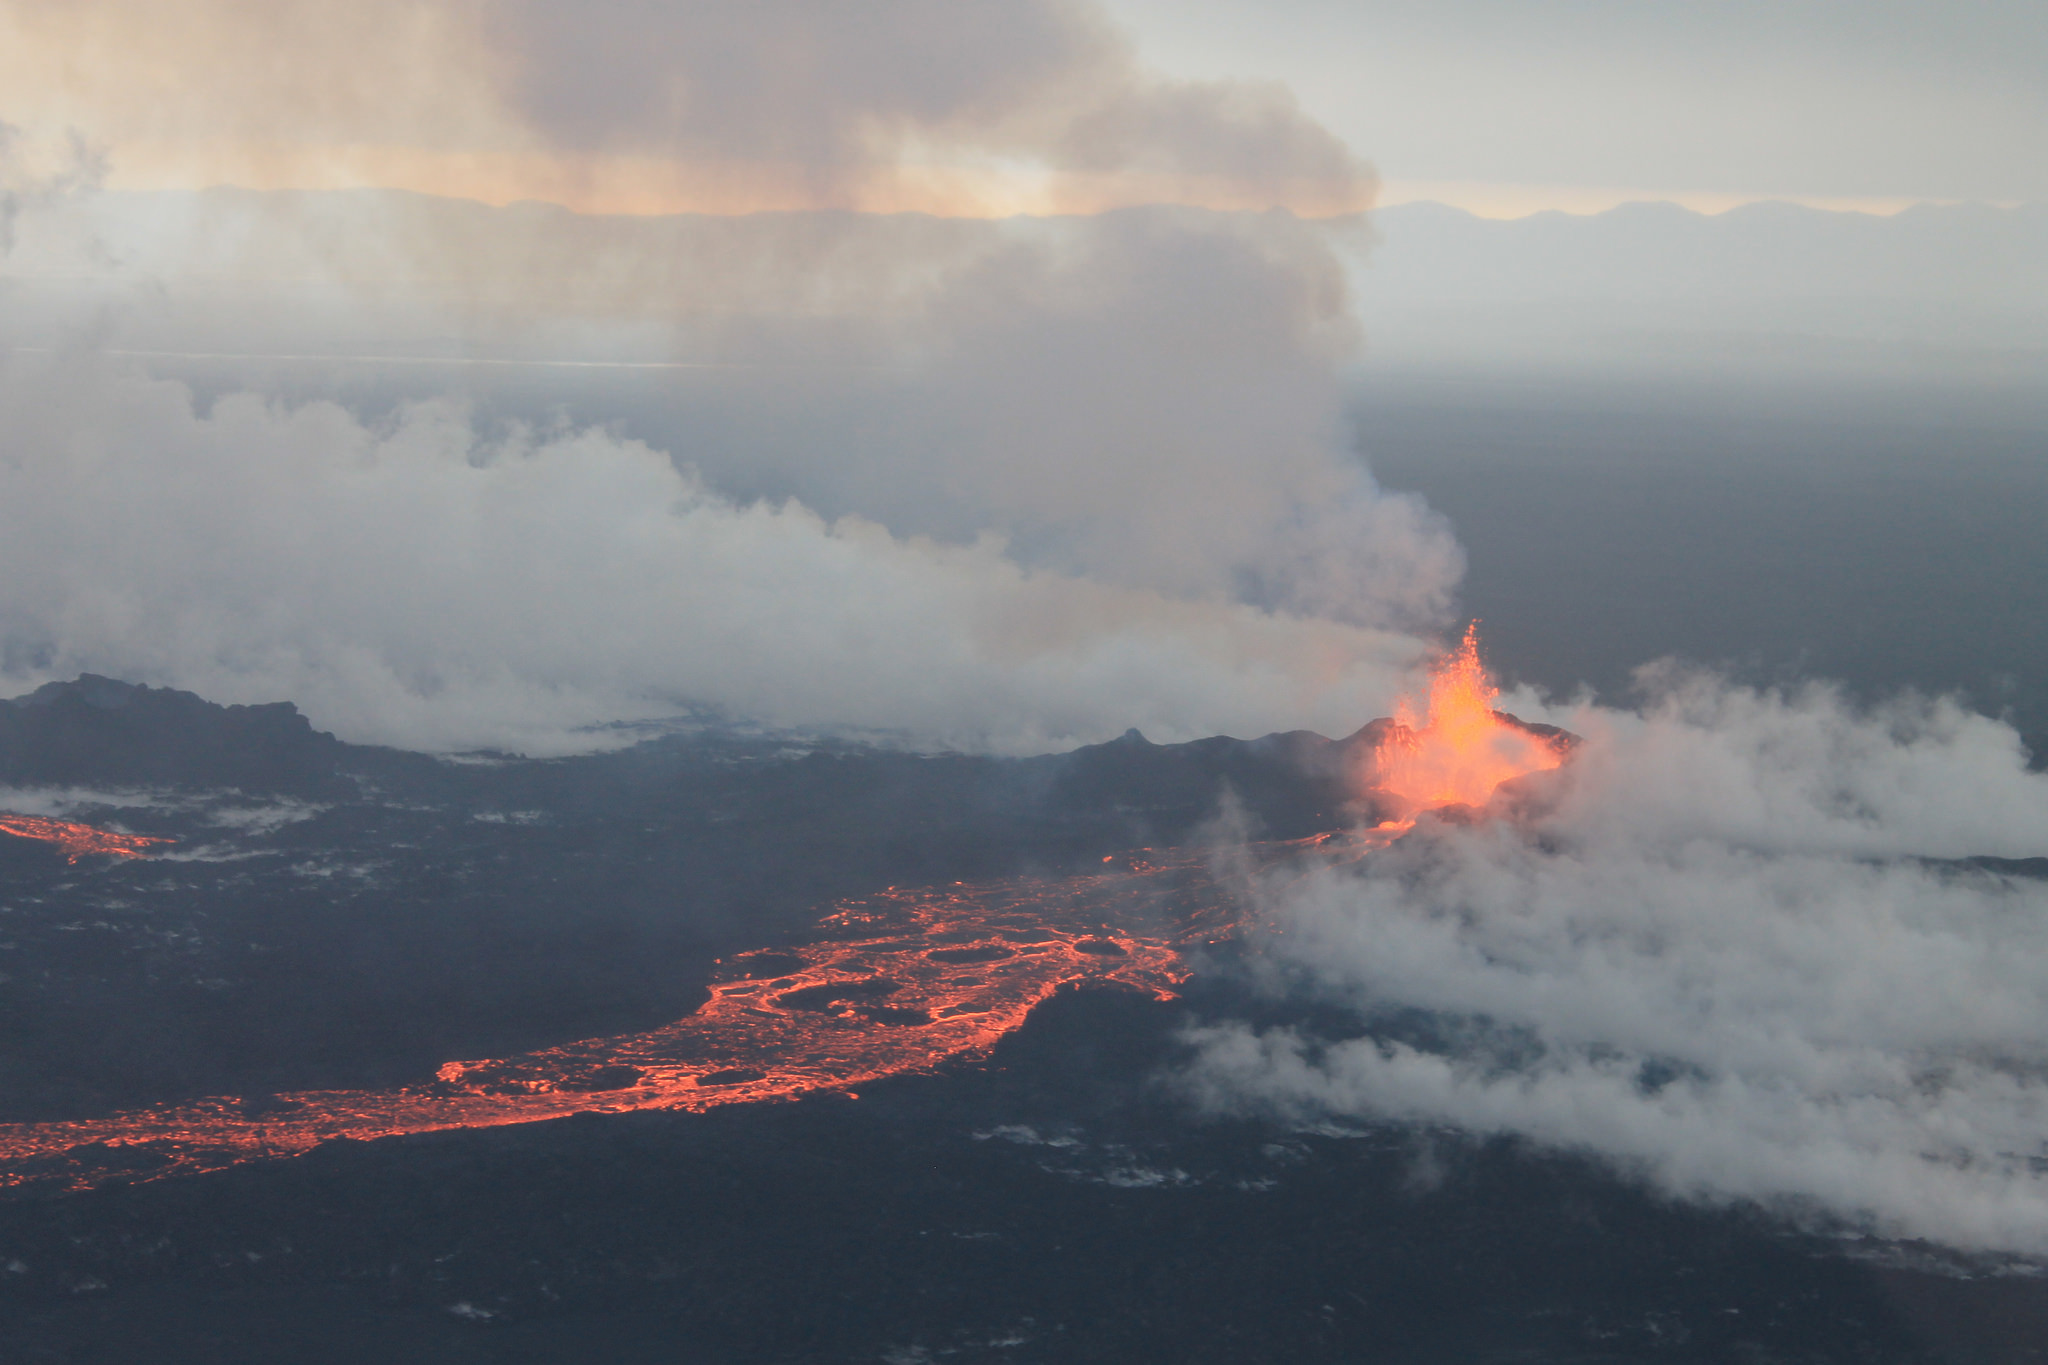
898,982
78,840
1466,749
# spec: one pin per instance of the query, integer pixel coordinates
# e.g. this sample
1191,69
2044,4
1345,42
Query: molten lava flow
1467,748
896,983
77,840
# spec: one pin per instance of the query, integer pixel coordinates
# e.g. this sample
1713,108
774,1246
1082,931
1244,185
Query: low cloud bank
1148,397
1724,954
419,584
1053,481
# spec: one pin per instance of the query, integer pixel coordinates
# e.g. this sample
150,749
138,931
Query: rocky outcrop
98,731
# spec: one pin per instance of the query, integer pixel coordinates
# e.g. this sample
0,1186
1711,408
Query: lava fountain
1465,749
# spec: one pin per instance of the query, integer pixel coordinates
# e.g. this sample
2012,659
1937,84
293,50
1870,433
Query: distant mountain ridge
1659,251
1941,273
1774,285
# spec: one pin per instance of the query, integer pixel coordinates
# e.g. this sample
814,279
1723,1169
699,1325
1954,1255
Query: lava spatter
897,982
77,840
1465,749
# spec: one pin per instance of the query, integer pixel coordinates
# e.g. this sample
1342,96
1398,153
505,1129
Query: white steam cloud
1723,953
1044,483
995,484
417,584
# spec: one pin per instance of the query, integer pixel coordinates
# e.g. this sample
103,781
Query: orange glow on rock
78,840
1465,749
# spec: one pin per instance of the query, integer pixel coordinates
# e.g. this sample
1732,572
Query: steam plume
417,583
1721,959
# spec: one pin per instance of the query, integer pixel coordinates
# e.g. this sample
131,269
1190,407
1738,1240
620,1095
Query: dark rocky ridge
97,730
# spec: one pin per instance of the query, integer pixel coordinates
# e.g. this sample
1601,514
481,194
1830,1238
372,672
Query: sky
1511,106
1500,106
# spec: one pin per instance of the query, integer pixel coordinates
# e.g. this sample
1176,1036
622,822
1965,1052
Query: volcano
728,1047
903,980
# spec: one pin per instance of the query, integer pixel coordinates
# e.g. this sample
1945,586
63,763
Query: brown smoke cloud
633,105
1073,472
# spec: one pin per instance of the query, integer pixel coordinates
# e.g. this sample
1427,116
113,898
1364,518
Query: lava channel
78,840
898,982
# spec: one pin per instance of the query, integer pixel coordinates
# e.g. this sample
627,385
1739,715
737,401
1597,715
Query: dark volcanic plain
342,917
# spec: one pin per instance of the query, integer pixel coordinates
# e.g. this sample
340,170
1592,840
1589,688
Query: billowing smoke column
1000,483
1023,523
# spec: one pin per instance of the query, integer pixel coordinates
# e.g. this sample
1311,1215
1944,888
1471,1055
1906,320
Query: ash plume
631,104
1051,477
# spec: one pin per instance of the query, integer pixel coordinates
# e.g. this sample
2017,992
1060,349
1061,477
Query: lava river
894,983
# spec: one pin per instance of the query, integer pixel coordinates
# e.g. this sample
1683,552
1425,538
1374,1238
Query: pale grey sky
1567,101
